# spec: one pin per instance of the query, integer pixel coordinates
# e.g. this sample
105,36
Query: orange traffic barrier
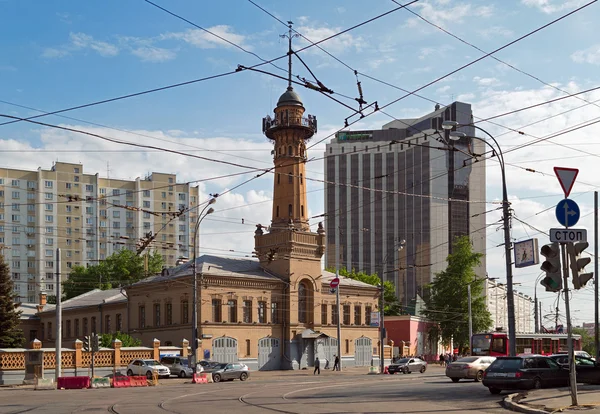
138,381
121,381
385,370
199,379
73,383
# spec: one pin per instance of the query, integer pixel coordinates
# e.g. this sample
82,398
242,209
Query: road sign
567,212
568,235
566,178
334,282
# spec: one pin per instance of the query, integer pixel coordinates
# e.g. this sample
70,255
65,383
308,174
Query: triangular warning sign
566,178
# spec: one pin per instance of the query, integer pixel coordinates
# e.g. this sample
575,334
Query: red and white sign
566,178
334,282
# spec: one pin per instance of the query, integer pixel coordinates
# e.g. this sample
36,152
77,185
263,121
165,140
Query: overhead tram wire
175,85
493,57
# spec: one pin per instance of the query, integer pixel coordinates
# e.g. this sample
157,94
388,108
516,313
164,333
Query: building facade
497,306
89,218
395,198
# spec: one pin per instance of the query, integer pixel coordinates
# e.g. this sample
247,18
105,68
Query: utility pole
470,319
596,329
572,373
537,326
58,343
337,294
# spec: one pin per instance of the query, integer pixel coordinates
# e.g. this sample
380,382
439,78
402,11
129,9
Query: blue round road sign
567,212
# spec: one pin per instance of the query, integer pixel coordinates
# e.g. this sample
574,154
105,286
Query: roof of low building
345,281
215,266
30,310
92,298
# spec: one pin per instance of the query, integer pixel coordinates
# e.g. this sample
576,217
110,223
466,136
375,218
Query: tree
119,269
106,340
447,303
11,334
391,304
587,341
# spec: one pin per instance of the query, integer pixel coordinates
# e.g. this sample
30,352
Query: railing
308,122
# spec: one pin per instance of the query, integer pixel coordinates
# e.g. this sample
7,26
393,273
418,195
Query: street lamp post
201,217
538,321
448,125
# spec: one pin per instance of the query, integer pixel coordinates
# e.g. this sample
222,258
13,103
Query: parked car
177,365
471,367
207,364
147,367
228,372
588,370
524,373
408,365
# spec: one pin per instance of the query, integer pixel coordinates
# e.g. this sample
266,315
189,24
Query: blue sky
61,54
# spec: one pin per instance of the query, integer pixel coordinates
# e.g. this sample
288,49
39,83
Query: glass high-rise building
395,198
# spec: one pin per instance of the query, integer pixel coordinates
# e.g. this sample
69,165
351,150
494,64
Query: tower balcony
306,125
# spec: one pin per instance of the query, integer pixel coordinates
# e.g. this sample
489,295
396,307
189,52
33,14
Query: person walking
336,363
317,366
442,359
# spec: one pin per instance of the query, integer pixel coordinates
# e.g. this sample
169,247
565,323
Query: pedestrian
442,359
317,366
336,363
326,363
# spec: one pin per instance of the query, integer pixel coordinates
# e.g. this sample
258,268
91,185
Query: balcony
306,124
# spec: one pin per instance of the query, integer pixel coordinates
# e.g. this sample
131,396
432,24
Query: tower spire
290,36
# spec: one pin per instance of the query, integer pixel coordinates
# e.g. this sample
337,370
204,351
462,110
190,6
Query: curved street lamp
201,217
455,136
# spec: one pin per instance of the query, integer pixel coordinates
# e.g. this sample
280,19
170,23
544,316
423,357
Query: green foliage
106,340
391,306
11,334
120,269
587,341
447,303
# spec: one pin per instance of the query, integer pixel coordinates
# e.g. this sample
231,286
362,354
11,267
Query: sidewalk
555,400
345,371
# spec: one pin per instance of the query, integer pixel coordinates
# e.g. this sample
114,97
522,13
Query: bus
496,343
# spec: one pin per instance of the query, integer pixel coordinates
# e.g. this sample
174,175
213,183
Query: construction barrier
138,381
385,370
72,383
100,382
373,370
121,381
44,384
199,379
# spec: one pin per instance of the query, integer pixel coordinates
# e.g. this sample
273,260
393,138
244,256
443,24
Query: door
225,350
362,352
269,354
329,347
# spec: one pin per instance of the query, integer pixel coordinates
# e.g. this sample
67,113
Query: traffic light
578,263
86,343
552,281
95,343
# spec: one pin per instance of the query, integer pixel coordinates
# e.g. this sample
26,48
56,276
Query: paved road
302,393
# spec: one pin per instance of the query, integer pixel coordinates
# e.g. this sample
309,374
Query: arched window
300,179
277,211
290,178
302,211
278,178
302,302
290,150
290,210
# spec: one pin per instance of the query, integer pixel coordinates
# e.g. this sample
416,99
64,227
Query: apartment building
396,198
497,306
88,218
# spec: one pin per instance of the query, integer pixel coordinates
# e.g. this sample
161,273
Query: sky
58,55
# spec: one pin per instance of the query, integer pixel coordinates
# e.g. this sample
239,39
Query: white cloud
54,53
589,55
436,12
443,89
83,41
153,54
485,81
495,31
204,40
549,6
337,45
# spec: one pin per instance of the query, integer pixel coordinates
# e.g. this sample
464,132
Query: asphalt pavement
559,399
350,391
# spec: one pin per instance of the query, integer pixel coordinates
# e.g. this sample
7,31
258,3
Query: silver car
229,372
468,368
178,365
408,365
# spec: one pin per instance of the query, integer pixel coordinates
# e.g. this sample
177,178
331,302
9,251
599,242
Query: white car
147,367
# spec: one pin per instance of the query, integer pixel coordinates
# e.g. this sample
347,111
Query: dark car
228,372
588,370
408,365
524,373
